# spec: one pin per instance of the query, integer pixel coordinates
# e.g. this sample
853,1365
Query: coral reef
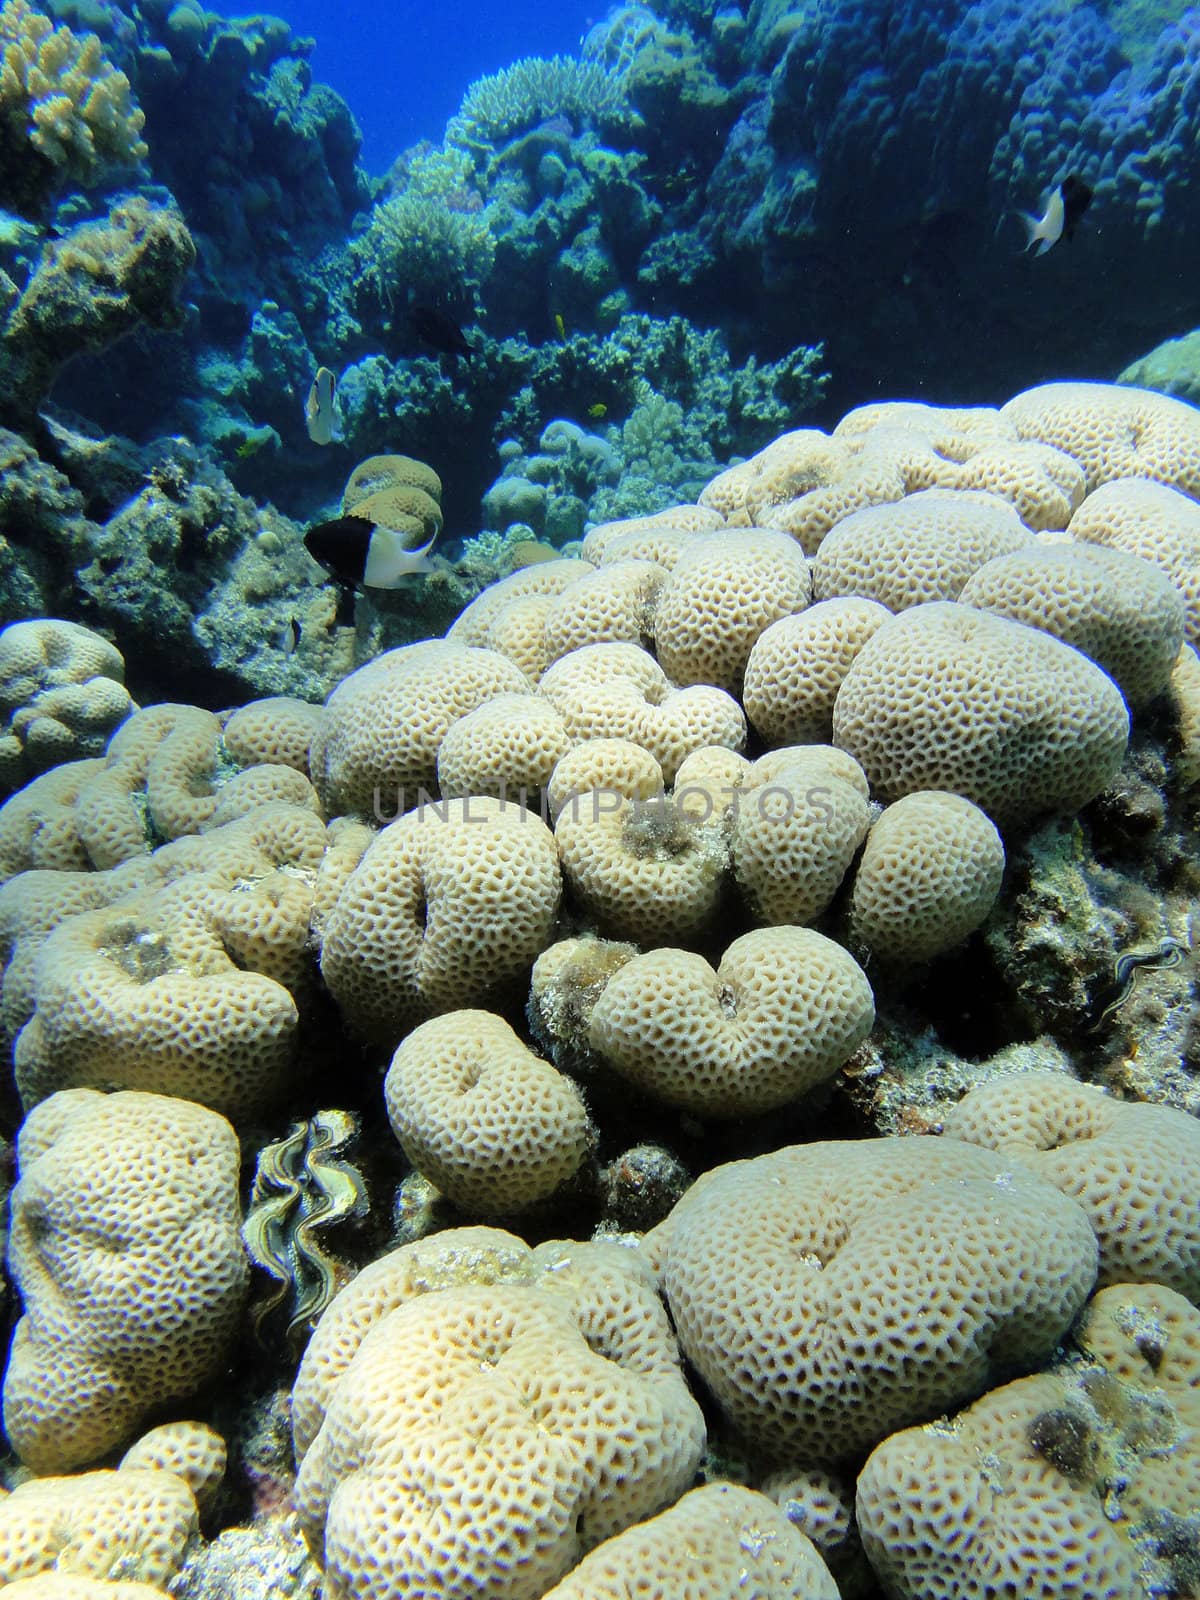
762,845
65,112
97,283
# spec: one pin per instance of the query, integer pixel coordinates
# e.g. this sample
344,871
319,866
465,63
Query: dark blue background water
403,65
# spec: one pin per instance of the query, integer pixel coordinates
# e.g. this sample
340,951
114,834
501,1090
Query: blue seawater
403,68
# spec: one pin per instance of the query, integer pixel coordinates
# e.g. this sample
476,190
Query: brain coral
716,1543
1119,610
724,590
928,876
799,817
67,1586
947,697
831,1293
38,826
1073,1484
62,694
506,747
473,626
126,1251
378,739
276,730
133,1524
652,538
165,774
642,869
614,605
921,548
1155,522
797,665
189,1450
617,691
455,1256
1114,431
616,765
780,1015
450,904
1134,1168
185,985
492,1125
484,1435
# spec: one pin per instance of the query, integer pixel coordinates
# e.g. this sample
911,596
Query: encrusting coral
101,280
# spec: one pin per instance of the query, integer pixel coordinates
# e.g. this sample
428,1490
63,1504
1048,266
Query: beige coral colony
656,906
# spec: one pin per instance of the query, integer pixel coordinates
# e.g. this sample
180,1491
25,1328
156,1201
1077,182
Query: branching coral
531,90
416,244
65,112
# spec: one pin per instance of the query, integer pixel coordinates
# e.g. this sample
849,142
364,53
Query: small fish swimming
1063,214
289,637
439,330
361,555
320,409
560,326
598,410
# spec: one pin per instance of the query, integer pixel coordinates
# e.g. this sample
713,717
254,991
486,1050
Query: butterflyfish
320,409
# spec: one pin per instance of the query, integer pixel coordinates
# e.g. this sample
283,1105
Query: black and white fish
1063,214
320,409
360,554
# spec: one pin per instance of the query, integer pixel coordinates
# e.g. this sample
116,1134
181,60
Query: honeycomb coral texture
795,811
